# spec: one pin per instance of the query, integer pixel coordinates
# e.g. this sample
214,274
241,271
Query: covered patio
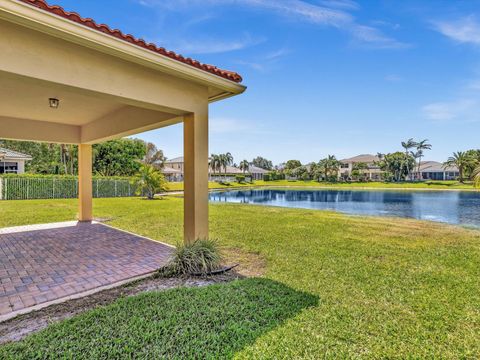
66,79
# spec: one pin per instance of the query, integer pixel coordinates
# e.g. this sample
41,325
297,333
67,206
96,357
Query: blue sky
324,77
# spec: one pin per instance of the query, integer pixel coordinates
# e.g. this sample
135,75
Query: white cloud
212,46
266,61
374,37
277,54
462,109
305,11
252,64
393,78
464,30
297,8
332,13
341,4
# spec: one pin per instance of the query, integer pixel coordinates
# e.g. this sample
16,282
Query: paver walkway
41,264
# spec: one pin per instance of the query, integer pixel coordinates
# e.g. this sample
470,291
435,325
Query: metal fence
29,188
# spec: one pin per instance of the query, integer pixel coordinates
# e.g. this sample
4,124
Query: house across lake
173,170
12,162
429,170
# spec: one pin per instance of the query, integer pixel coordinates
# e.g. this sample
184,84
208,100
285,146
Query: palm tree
407,145
421,146
417,155
215,163
329,166
476,176
226,160
334,165
150,181
244,166
229,158
222,163
461,160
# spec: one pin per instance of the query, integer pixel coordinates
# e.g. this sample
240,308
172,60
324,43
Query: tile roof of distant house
257,170
13,154
435,166
175,160
73,16
363,158
230,169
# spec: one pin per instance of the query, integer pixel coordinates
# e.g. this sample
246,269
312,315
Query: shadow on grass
210,322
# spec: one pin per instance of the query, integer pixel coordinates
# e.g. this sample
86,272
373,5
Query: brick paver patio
43,264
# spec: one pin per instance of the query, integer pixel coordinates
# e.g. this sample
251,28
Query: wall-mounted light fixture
54,103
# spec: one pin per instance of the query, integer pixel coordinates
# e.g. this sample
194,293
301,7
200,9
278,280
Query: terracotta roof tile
73,16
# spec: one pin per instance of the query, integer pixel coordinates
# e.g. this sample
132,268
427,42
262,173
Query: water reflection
445,206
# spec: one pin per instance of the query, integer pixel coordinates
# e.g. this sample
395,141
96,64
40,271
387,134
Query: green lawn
335,286
434,185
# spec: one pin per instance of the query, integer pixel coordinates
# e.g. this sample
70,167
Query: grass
166,325
335,286
433,185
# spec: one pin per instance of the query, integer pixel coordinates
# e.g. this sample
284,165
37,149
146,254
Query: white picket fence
24,188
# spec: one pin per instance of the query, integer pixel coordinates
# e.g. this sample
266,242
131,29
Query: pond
453,207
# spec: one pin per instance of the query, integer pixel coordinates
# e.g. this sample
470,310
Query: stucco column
85,182
195,140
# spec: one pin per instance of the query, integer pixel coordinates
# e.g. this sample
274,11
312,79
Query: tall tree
228,160
417,155
292,164
47,158
120,157
421,147
262,163
225,160
397,164
407,145
476,176
475,155
461,160
154,156
359,171
244,166
215,163
329,167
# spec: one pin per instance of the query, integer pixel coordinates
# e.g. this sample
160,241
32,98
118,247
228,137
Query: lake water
454,207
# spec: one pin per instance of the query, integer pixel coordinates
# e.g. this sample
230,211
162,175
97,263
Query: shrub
305,177
240,179
150,181
266,177
199,257
332,178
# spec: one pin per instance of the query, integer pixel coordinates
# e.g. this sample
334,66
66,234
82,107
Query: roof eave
17,158
43,21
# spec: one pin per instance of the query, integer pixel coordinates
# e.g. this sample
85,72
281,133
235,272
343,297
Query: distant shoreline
177,188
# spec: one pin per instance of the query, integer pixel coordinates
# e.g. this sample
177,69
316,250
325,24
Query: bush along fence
15,187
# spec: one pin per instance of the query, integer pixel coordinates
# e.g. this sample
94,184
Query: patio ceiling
82,116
